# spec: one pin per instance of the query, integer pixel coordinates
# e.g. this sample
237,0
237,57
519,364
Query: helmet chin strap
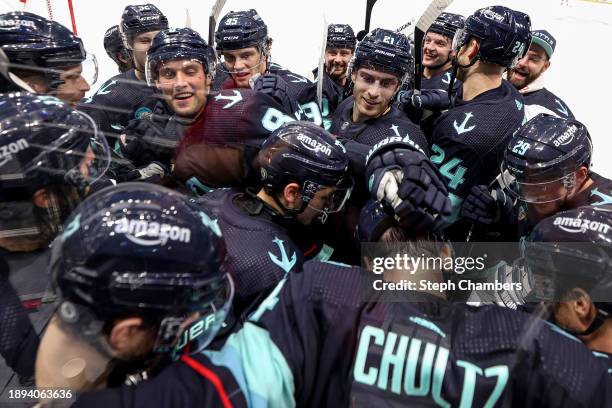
451,83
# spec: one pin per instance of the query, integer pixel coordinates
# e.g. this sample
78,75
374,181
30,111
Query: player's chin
242,79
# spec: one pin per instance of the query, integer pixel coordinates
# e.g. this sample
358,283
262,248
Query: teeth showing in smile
183,96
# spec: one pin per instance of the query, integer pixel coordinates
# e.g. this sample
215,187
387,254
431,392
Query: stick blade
435,8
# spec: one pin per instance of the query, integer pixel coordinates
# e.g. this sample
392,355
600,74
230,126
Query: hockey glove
145,141
484,207
151,173
408,181
276,87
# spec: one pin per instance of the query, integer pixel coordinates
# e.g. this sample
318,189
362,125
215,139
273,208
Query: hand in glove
152,173
145,141
484,207
429,99
274,86
408,181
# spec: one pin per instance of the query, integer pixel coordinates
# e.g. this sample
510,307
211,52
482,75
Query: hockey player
268,231
325,337
547,169
528,75
113,44
244,47
139,275
339,50
179,65
381,64
53,62
438,51
469,139
216,129
124,96
568,258
50,157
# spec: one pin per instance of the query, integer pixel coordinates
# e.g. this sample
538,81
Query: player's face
316,205
436,50
242,64
529,68
74,87
185,86
336,61
141,45
373,92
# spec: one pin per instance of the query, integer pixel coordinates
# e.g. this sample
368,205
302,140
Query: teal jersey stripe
258,366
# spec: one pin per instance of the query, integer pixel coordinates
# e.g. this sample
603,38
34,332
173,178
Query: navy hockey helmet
35,44
447,24
384,50
504,34
242,29
178,43
113,44
307,154
45,144
543,156
138,19
374,219
573,249
340,36
142,249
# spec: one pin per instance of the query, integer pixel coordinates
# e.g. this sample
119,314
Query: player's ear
581,304
581,175
473,48
124,335
42,198
291,194
546,65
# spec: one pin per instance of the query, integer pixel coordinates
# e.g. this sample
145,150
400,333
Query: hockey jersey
469,139
119,100
220,147
260,252
324,338
372,131
549,100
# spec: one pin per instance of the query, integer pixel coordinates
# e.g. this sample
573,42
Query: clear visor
541,192
86,69
330,199
80,167
193,332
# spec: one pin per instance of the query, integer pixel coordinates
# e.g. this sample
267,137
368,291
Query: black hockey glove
145,141
424,104
408,181
484,207
151,173
276,87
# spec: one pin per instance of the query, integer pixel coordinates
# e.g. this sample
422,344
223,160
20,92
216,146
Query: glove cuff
391,143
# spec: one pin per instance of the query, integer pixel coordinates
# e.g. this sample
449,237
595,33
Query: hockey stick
366,30
5,65
187,18
212,20
321,73
72,19
435,8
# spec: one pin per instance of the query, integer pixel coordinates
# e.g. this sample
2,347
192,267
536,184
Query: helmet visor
192,332
538,192
330,199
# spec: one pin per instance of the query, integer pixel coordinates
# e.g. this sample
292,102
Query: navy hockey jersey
260,252
119,100
469,139
393,123
549,100
323,338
